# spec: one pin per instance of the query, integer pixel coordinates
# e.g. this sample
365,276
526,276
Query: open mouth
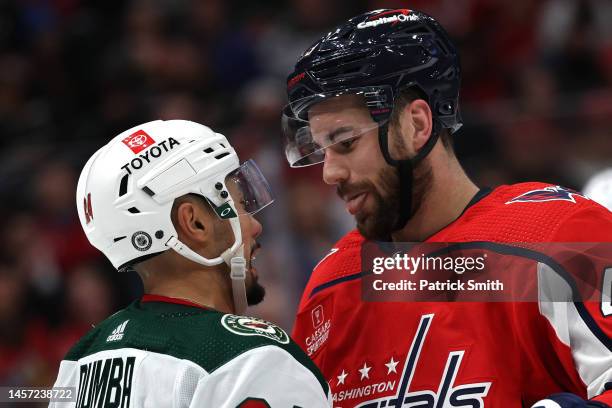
253,258
355,202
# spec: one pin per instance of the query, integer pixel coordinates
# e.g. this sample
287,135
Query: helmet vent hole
343,67
123,185
442,47
148,191
338,73
208,150
222,155
341,34
133,210
450,73
119,238
410,32
222,145
351,70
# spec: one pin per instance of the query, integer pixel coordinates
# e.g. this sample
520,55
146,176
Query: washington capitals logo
552,193
448,394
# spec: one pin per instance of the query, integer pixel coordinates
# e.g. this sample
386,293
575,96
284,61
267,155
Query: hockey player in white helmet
170,200
599,188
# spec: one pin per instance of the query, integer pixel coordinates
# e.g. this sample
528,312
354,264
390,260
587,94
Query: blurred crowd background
536,101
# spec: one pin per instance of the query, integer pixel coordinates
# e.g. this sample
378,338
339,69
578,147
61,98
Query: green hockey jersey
165,352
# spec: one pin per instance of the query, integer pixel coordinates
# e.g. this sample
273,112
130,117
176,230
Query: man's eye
348,143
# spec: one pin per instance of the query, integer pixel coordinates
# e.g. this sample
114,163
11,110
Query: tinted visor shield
248,188
314,124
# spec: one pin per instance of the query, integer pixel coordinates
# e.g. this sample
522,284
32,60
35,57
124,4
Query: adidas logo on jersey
117,334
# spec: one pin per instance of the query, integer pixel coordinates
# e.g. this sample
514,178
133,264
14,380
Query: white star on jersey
391,366
365,371
341,377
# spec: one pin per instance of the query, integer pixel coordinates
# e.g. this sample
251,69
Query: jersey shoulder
528,212
93,342
341,262
206,337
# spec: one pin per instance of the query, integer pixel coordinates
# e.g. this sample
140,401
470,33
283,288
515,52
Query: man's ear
191,222
420,117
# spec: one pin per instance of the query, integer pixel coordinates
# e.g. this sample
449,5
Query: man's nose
334,168
255,227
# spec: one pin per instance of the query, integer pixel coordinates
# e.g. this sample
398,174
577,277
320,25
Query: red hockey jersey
464,354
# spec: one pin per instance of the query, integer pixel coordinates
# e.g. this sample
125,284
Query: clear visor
312,125
248,189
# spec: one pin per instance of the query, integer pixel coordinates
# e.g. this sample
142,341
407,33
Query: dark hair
405,97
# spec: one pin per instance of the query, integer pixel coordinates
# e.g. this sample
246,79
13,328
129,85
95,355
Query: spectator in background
56,222
89,299
25,359
295,28
313,225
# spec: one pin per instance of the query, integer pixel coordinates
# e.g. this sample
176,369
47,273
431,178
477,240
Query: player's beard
382,221
378,223
255,293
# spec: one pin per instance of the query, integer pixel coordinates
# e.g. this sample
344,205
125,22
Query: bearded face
368,185
378,220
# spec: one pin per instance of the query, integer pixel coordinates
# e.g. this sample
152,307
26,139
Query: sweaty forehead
339,111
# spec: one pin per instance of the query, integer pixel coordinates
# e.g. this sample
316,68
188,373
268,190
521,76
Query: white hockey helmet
127,188
599,188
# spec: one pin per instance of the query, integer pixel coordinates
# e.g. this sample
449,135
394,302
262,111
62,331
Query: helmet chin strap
237,265
405,169
233,257
238,276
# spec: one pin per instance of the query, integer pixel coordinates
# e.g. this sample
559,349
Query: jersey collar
167,299
482,193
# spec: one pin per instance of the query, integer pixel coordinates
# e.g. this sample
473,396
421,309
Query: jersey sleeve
67,377
586,327
264,377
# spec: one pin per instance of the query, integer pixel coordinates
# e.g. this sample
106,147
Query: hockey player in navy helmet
376,102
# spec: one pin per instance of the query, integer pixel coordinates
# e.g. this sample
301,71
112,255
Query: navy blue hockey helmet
376,54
